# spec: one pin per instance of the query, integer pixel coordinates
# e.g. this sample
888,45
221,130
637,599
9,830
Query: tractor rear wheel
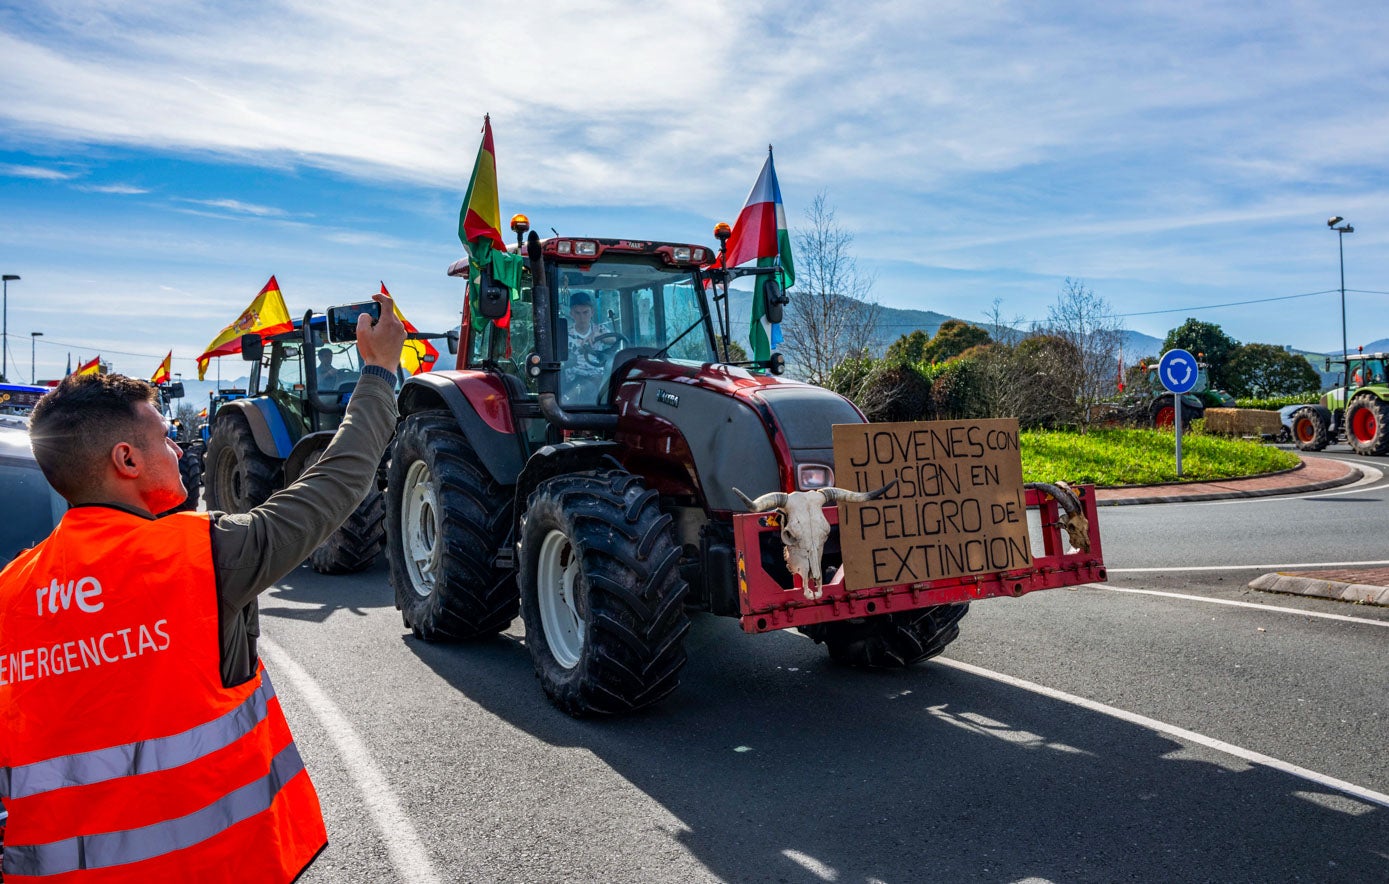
239,477
357,542
1164,413
1367,425
890,641
601,593
1309,432
445,520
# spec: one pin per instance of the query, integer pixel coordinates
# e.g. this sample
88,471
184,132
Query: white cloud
117,189
239,207
38,173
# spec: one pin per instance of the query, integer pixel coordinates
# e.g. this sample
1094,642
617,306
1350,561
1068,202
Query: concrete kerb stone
1354,475
1289,584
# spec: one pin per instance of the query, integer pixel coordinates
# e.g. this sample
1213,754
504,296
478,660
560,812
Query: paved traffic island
1314,474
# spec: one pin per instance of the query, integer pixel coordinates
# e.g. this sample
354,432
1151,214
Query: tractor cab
610,302
308,378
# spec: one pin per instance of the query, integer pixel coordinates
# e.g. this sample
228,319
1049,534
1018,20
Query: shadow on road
784,767
316,597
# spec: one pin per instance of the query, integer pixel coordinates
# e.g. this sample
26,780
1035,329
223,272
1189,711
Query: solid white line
1290,566
1275,608
1172,730
406,851
1369,474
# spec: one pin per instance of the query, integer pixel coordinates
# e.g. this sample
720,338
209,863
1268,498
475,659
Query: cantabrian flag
481,219
416,356
163,374
267,315
93,367
761,234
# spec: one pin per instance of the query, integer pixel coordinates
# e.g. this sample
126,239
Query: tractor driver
584,369
327,374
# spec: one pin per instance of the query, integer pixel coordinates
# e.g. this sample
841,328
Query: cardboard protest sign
957,509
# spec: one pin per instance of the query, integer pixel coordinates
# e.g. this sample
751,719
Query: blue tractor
257,444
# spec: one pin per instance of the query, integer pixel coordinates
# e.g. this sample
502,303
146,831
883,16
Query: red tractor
585,463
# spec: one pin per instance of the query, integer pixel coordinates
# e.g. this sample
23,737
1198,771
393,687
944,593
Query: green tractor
1357,410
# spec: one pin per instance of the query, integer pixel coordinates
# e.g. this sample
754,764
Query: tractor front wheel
890,641
239,477
446,518
1367,426
357,542
1309,431
601,593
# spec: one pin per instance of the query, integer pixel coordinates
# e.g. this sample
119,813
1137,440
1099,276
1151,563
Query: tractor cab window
1367,371
337,367
284,384
617,306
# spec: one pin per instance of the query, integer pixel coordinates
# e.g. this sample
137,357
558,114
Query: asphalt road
1045,746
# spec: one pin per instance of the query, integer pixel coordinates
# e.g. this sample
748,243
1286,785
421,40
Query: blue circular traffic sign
1177,370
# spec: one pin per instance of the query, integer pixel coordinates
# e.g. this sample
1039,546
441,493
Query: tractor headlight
810,476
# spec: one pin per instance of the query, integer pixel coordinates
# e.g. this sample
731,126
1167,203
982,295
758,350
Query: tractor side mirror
775,299
1328,364
252,347
453,337
493,298
174,390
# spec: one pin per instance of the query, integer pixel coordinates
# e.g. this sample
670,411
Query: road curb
1328,589
1353,474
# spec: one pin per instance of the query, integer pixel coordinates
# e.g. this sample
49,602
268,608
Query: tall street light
33,339
5,327
1341,244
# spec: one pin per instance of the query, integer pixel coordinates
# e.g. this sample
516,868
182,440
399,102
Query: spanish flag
414,355
481,218
163,374
267,315
93,367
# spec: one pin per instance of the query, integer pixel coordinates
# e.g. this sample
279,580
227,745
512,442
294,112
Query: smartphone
342,321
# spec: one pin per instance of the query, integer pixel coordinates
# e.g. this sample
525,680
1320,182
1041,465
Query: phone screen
342,321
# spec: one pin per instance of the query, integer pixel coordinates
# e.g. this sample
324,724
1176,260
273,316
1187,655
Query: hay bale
1242,422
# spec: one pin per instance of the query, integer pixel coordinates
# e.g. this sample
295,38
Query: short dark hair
580,299
73,428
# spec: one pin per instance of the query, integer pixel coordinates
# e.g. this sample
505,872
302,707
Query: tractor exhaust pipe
548,380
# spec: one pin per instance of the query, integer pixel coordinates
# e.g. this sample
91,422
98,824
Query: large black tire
239,478
890,641
446,518
357,543
601,593
1164,413
190,469
1367,425
1310,432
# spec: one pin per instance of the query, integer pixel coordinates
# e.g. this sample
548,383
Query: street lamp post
33,339
1341,245
5,326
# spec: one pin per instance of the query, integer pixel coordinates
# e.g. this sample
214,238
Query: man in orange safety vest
140,737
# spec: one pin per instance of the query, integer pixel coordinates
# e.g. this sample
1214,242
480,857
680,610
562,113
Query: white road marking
1369,475
406,851
1162,727
1275,608
1287,566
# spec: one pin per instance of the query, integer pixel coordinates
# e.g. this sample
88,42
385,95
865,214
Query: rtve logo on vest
81,591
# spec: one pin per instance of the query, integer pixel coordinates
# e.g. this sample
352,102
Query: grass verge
1143,457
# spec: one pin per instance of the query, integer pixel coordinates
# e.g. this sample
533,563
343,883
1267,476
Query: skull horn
841,495
1073,518
770,501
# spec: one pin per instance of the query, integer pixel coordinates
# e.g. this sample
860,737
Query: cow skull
804,528
1072,519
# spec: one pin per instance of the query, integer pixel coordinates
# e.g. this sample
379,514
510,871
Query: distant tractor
263,441
1363,423
593,466
1157,407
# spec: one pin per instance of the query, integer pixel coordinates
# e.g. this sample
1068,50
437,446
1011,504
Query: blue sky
160,160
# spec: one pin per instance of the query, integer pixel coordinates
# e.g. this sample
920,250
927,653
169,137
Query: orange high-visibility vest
122,756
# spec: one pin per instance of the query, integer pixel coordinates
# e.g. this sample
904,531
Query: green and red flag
267,314
417,355
761,235
479,229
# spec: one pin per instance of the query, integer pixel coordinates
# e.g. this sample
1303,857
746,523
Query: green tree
1267,370
909,348
953,337
1210,344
